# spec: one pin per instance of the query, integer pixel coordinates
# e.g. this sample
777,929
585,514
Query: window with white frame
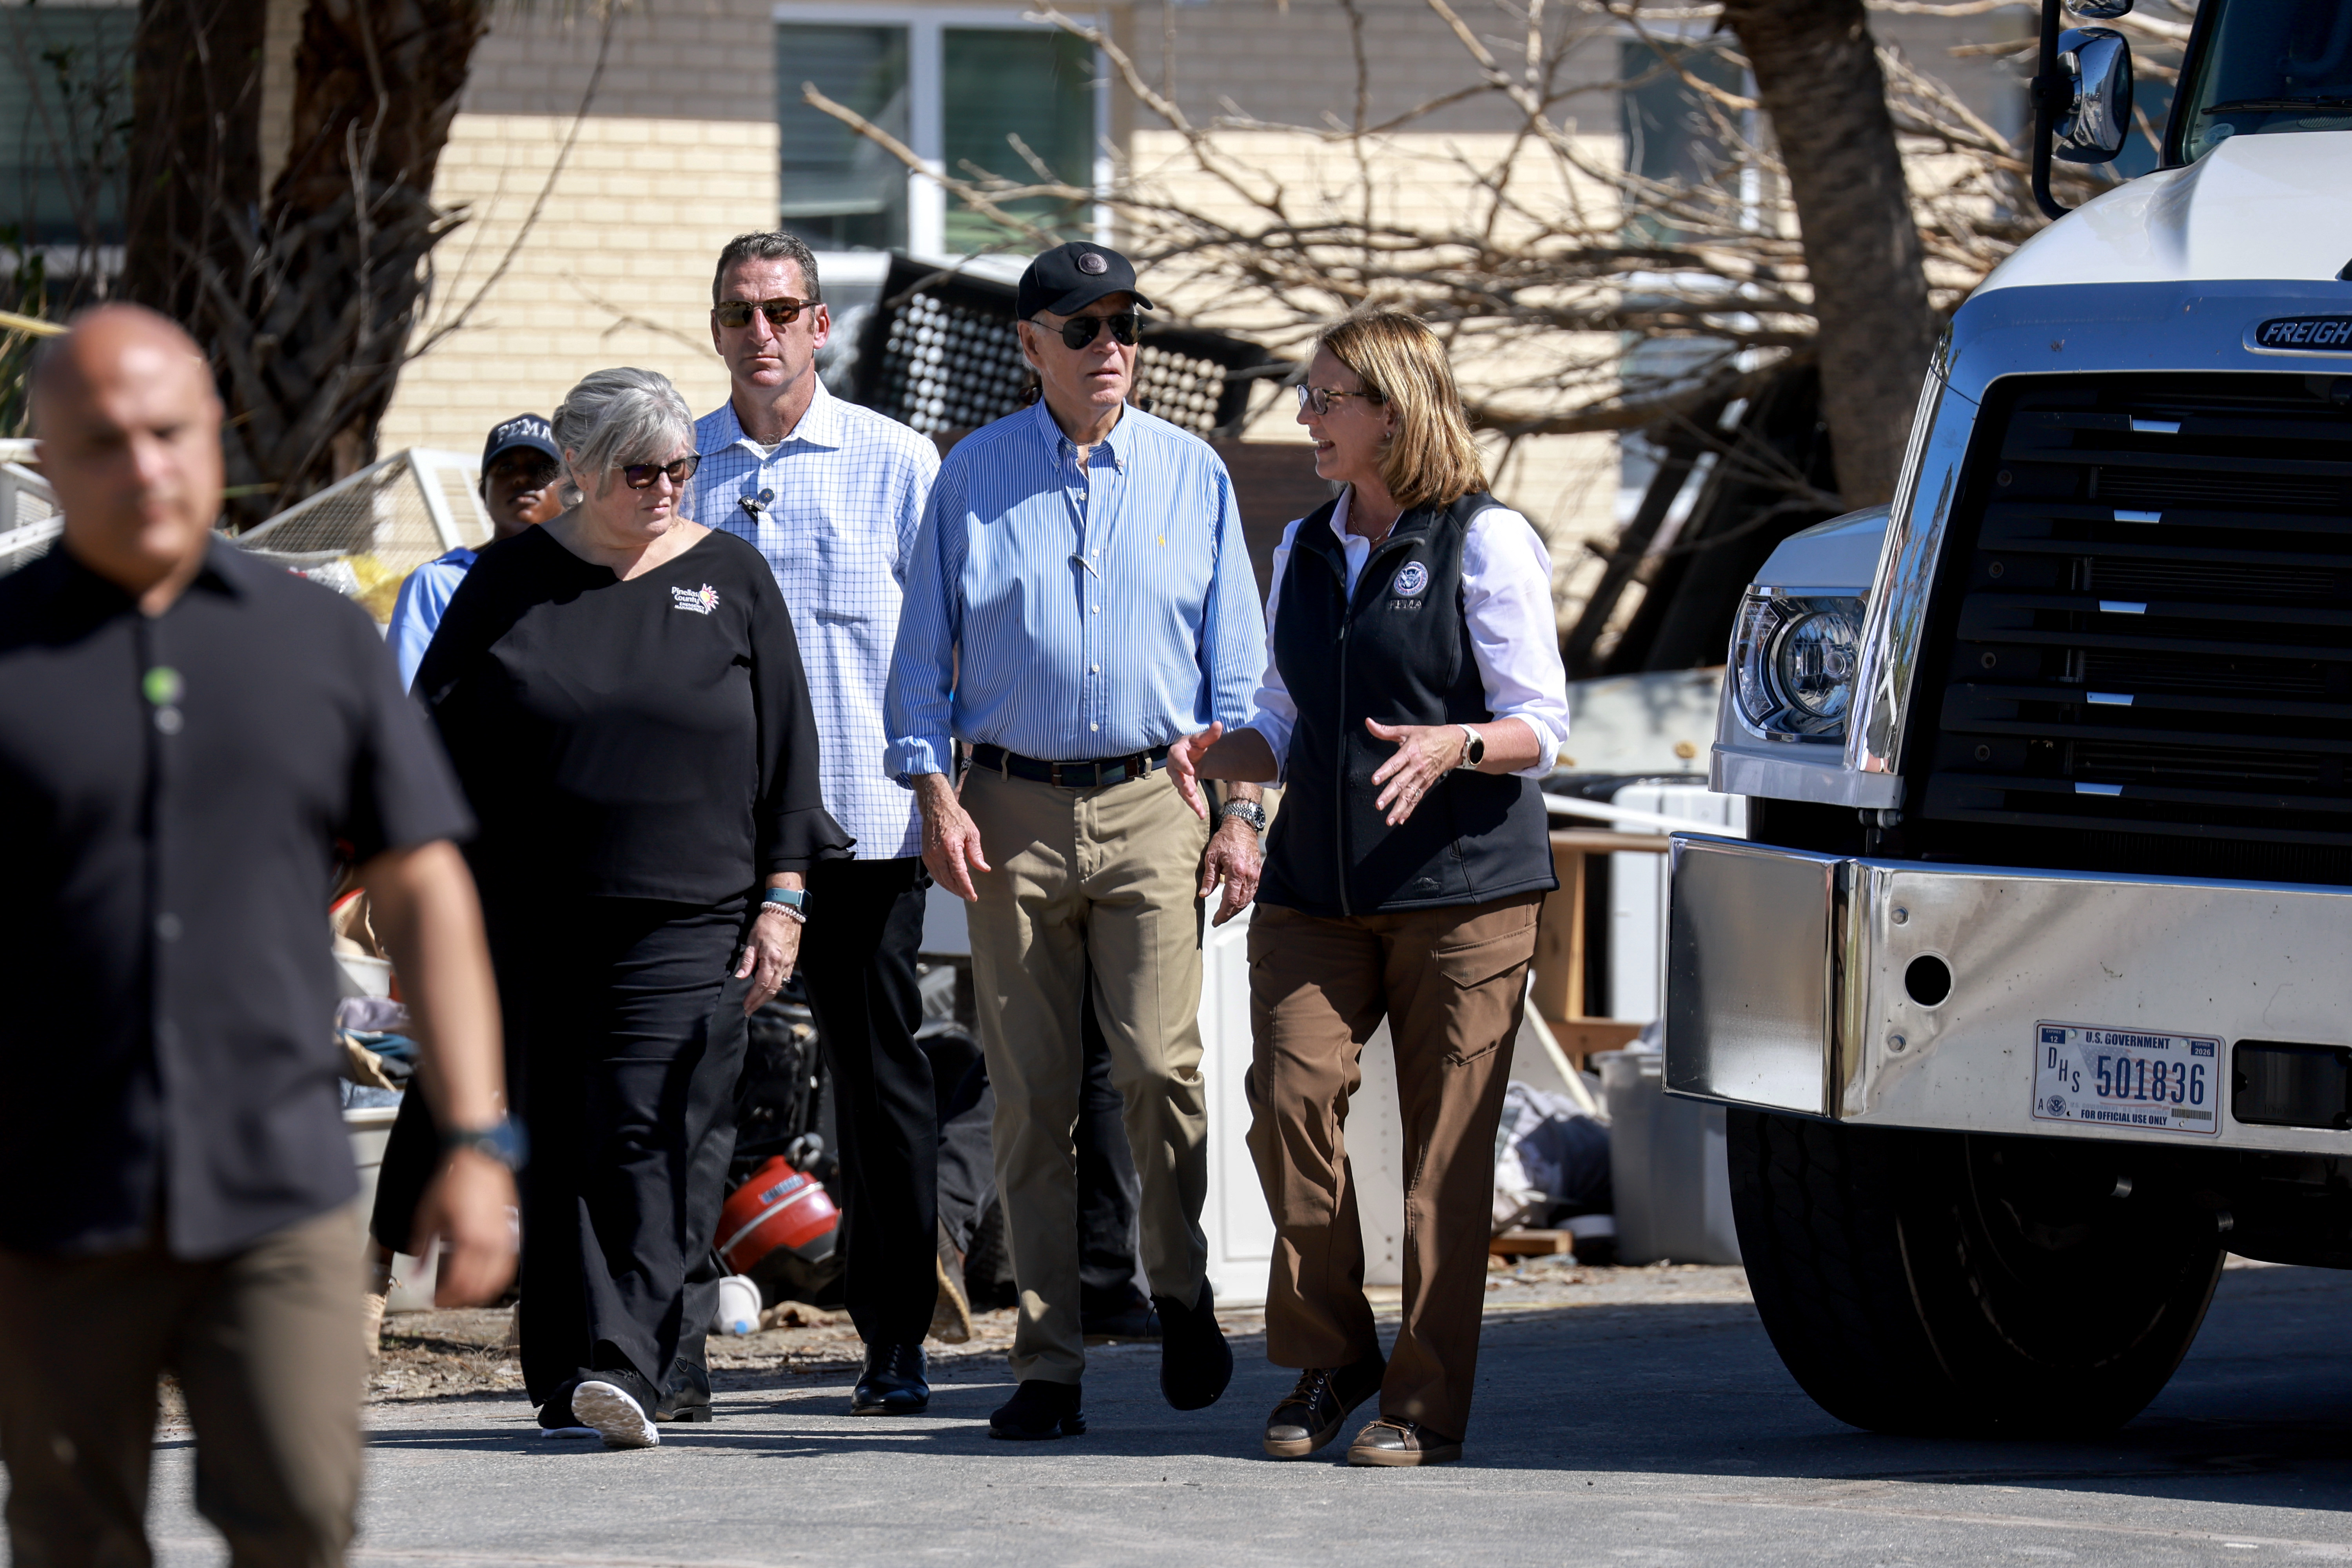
965,89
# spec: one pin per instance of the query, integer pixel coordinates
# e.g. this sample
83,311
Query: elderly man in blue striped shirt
1080,596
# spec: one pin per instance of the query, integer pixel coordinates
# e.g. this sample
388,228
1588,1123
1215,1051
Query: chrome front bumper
1785,980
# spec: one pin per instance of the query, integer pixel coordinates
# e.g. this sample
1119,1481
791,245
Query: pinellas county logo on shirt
1410,580
701,601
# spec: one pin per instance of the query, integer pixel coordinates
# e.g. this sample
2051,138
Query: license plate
2127,1077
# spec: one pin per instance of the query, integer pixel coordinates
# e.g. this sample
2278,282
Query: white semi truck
2031,988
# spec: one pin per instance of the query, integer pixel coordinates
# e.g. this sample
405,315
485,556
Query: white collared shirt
1505,599
834,507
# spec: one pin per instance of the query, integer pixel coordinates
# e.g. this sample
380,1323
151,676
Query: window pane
1669,134
1036,84
64,100
841,192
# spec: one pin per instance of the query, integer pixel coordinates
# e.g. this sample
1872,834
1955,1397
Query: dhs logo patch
1411,579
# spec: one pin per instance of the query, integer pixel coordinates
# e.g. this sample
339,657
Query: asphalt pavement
1656,1432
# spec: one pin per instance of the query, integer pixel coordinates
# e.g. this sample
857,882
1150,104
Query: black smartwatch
502,1141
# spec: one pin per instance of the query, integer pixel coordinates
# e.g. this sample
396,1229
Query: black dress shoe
893,1382
1315,1411
1038,1410
1135,1321
1387,1442
1195,1362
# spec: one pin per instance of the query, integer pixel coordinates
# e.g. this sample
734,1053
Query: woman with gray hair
623,695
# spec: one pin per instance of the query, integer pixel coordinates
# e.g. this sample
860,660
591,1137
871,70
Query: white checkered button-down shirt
835,511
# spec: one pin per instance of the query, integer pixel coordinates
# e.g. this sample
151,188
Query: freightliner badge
2303,334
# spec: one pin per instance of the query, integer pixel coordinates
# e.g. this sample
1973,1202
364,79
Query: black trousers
1110,1269
857,958
632,1036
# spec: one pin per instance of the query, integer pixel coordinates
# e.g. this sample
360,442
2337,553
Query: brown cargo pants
1452,983
267,1348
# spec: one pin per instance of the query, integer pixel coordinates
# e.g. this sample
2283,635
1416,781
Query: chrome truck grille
2143,640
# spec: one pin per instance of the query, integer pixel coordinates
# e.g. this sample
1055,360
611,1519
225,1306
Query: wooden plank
1579,1039
1558,967
1532,1244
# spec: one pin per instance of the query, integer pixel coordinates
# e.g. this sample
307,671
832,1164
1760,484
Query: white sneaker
620,1420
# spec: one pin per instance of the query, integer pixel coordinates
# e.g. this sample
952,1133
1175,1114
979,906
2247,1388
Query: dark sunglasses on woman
736,314
1320,398
1080,331
641,476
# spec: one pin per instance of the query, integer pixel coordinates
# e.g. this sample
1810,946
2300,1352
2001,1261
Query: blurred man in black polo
186,734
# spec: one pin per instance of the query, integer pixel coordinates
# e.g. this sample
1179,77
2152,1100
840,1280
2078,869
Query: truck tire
1948,1284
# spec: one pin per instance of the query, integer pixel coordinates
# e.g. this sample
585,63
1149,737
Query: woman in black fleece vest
1414,695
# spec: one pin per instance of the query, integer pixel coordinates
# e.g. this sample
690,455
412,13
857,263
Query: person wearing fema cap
519,462
1080,596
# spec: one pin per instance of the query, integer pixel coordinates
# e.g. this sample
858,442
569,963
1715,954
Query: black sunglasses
736,314
641,476
1320,398
1080,331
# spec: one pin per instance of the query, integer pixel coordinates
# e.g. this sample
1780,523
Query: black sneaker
1313,1413
1195,1362
1038,1410
556,1418
618,1413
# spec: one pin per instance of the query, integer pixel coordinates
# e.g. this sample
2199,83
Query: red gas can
779,1207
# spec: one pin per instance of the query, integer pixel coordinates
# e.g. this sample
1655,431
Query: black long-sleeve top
646,739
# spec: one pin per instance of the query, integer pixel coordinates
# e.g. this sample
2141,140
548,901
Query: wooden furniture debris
1532,1244
1558,989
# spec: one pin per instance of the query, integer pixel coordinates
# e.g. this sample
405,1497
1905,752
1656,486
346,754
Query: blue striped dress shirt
833,509
1100,609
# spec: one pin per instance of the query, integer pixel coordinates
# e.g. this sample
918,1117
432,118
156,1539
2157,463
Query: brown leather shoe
1312,1414
1387,1442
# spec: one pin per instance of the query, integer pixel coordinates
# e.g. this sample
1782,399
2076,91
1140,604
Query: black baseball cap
1070,277
523,430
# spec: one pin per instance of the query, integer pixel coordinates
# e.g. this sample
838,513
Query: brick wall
676,155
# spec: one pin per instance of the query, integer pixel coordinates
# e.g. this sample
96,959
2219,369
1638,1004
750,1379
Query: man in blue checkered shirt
832,494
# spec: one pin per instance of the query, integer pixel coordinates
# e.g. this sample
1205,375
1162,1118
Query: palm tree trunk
303,302
194,162
1817,74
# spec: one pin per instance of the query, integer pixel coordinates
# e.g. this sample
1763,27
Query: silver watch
1249,811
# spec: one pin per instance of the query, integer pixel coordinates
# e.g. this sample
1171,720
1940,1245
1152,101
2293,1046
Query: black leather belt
1069,775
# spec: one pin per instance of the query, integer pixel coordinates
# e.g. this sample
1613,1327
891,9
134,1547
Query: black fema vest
1398,652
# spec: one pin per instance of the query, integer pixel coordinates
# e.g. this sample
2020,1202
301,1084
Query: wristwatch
1249,811
502,1141
1474,749
792,901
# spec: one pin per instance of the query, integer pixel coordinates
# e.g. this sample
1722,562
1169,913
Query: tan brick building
688,139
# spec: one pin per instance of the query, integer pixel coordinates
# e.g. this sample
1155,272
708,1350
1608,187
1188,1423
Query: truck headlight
1793,659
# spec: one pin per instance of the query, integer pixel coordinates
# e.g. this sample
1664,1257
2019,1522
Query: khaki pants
267,1348
1109,876
1452,983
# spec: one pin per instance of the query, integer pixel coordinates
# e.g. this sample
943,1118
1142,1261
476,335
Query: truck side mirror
2081,92
2097,64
